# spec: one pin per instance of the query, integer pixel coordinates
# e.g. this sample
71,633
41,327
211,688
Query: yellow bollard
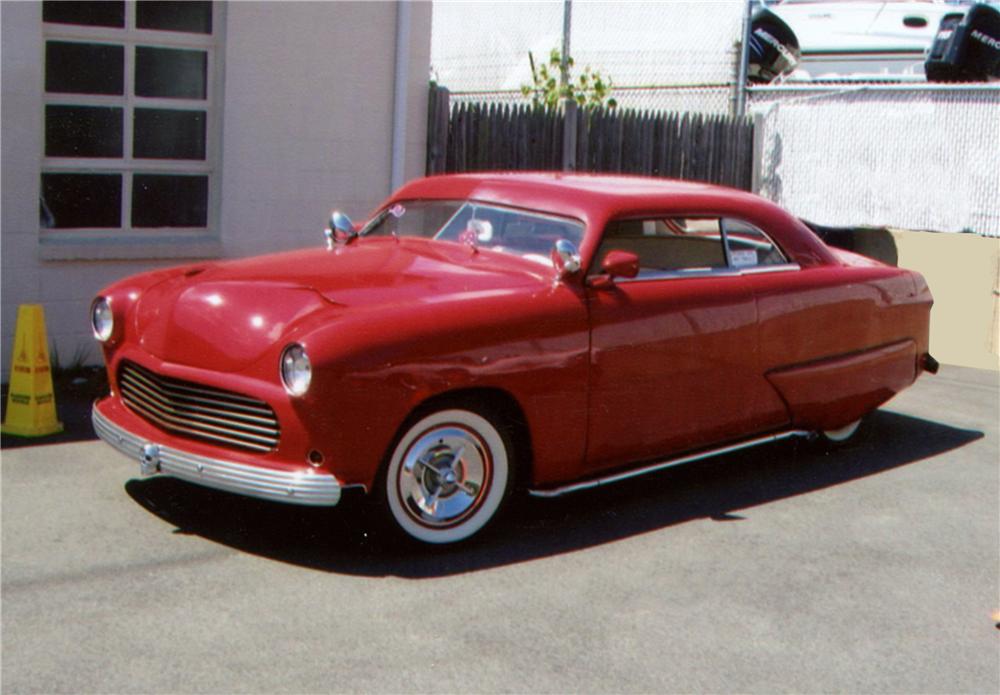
31,404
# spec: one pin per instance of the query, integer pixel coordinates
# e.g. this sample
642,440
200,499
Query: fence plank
482,137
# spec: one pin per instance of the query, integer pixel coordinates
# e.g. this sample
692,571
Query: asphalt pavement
781,569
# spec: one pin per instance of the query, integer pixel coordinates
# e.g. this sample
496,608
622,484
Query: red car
488,330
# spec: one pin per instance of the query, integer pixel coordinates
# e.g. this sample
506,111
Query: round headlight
296,371
102,320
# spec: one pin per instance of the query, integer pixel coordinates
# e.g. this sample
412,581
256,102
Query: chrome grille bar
217,415
199,411
165,418
159,383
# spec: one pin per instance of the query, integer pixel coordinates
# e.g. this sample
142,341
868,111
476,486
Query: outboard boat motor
966,49
774,49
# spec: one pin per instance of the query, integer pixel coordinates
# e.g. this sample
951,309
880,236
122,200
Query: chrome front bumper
305,488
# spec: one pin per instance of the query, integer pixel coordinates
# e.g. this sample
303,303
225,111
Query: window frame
127,241
729,271
462,204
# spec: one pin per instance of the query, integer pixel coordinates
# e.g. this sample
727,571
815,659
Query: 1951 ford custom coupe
479,331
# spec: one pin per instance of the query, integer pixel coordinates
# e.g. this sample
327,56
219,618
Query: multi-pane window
128,137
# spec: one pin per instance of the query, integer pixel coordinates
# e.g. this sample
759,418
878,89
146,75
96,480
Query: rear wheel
842,435
448,476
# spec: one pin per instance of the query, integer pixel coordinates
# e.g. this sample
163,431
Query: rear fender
831,393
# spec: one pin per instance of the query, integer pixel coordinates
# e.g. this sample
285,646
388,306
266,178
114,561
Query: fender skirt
833,392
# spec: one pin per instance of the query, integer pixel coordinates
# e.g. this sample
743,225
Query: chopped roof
561,192
596,198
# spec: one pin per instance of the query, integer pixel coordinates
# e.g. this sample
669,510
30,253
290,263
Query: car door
674,354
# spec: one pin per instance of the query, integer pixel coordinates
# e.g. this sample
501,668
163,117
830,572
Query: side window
667,245
749,246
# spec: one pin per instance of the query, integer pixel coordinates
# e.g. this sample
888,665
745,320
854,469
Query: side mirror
620,264
340,231
565,257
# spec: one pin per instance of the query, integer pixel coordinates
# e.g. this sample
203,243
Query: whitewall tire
448,476
843,434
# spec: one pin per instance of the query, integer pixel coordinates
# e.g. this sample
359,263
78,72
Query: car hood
227,315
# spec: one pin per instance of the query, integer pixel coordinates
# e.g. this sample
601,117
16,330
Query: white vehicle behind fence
856,39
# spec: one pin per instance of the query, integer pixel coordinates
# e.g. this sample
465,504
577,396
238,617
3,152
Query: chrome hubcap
444,476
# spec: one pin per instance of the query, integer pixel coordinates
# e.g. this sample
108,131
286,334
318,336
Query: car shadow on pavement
724,489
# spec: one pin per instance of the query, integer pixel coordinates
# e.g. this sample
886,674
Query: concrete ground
872,569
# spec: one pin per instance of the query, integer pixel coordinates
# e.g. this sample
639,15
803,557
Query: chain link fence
914,156
673,55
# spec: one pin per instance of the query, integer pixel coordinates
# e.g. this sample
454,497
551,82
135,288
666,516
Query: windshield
527,234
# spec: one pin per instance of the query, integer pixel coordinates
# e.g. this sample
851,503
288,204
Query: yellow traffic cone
31,404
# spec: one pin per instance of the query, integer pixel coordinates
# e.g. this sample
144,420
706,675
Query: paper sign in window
743,257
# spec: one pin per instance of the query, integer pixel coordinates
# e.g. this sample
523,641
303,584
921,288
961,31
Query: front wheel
448,476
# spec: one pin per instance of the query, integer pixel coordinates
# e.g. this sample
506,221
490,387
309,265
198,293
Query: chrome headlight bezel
295,370
102,319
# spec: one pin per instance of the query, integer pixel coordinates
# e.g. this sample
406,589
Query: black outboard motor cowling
774,48
966,49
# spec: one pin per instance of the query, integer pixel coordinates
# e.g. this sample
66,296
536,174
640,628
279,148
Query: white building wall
307,125
308,116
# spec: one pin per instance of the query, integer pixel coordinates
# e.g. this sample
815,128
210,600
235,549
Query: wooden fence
501,137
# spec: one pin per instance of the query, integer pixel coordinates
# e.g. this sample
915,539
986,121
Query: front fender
372,368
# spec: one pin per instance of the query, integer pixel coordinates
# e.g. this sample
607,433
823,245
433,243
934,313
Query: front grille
199,411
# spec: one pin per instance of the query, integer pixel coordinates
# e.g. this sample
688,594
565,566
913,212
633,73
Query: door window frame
729,271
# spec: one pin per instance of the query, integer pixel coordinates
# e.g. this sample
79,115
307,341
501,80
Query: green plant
76,365
590,89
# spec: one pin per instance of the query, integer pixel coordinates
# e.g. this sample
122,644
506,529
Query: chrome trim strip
705,273
776,268
307,488
679,275
597,482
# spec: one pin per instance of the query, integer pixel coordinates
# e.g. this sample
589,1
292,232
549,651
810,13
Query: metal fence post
570,127
757,170
741,72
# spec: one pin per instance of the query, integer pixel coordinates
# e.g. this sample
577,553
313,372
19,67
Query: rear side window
748,246
686,245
